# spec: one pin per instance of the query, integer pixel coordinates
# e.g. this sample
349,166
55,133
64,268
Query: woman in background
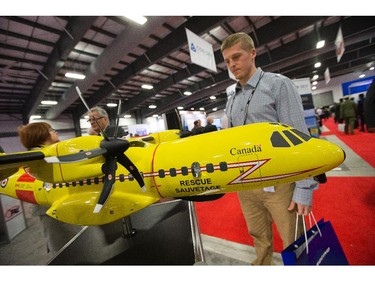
35,136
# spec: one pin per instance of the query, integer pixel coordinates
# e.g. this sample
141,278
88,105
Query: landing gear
128,230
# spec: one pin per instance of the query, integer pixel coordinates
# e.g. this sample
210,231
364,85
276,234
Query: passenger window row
210,168
173,172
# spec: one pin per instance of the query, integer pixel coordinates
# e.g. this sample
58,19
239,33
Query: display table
161,234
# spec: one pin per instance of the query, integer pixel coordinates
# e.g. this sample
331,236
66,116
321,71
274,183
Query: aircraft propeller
114,151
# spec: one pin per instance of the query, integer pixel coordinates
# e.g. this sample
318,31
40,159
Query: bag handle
304,228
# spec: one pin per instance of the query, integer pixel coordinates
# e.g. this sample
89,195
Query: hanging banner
327,76
340,46
201,51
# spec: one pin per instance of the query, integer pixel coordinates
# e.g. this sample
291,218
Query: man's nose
230,63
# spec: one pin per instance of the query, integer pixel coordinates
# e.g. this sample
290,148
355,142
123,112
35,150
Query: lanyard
247,103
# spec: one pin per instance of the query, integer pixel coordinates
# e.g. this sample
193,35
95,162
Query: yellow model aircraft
93,180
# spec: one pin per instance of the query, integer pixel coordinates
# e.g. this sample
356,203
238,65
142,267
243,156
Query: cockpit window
277,140
303,136
292,137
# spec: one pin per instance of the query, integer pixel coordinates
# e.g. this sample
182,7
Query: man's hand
301,209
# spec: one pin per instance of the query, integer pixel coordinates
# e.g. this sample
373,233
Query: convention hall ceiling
117,56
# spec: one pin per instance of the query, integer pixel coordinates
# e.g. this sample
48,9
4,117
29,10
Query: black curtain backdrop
173,120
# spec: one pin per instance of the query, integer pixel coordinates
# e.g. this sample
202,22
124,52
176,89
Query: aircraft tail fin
5,173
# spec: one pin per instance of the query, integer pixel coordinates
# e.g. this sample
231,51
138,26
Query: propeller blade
109,180
125,161
118,118
80,156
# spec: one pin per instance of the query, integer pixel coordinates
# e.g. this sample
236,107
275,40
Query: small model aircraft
92,180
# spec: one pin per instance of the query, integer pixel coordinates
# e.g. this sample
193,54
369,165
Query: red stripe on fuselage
26,178
26,195
153,169
60,167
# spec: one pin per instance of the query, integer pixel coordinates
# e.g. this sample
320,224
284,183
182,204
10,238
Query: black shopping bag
324,248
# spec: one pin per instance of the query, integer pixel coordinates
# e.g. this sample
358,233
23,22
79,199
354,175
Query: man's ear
253,54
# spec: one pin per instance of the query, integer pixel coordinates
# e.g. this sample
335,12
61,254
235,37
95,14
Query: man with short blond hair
266,97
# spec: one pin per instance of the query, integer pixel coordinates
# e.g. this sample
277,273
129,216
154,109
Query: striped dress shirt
270,97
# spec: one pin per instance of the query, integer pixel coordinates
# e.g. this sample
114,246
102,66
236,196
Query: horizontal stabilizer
10,163
21,157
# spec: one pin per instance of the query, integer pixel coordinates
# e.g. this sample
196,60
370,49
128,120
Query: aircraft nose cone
336,155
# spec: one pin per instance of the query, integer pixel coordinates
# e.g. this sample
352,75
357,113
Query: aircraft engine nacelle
71,170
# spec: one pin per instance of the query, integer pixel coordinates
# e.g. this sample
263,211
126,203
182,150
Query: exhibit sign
201,52
303,86
356,86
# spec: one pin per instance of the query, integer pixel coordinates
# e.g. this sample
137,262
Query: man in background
102,120
348,113
210,127
369,108
197,129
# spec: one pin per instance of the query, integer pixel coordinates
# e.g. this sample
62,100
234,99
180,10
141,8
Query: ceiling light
138,19
214,109
320,44
318,64
152,106
48,102
362,75
155,116
127,116
315,82
111,104
371,68
201,108
212,97
316,76
75,75
147,86
313,88
187,93
35,117
180,107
